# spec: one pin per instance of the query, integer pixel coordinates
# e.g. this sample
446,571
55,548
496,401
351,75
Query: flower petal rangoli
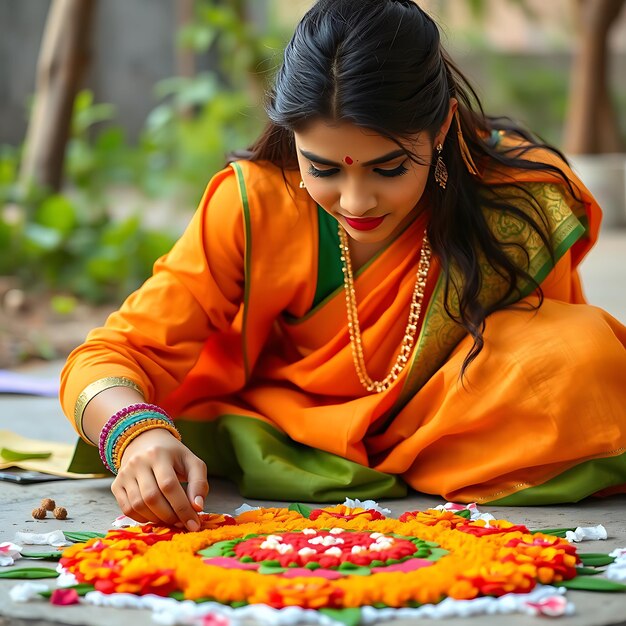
334,558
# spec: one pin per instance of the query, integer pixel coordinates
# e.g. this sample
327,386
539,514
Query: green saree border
566,235
315,307
247,264
572,485
420,368
440,335
329,268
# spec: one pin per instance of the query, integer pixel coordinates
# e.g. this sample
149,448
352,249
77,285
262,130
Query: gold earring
302,185
441,171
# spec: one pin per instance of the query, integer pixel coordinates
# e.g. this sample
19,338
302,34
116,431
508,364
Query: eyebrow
377,161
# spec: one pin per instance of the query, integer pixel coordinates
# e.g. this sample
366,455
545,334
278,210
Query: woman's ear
443,131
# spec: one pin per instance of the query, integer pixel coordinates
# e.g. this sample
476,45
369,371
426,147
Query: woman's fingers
154,487
197,484
155,497
124,502
177,500
148,484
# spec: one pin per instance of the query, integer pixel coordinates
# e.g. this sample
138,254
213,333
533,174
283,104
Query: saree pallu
259,374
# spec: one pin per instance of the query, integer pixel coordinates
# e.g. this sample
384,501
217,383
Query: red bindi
348,161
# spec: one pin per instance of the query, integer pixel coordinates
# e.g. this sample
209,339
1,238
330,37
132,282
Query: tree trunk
185,58
63,57
592,125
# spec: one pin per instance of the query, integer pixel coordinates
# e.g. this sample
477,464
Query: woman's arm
146,349
148,484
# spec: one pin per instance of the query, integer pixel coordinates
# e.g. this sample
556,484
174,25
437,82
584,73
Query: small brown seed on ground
39,513
48,504
60,512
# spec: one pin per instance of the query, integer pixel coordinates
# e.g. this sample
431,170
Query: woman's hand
148,484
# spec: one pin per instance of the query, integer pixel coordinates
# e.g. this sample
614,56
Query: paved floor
92,507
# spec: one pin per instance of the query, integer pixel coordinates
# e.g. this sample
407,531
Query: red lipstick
364,223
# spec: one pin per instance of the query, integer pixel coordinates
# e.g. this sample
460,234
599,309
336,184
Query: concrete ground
91,505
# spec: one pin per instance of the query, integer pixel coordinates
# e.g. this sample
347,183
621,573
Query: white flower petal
56,538
25,592
306,551
587,533
244,508
472,508
366,504
617,570
9,553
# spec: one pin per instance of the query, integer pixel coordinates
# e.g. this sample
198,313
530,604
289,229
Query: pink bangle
132,408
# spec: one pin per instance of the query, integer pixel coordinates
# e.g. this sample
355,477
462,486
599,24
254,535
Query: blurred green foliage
70,243
203,118
529,90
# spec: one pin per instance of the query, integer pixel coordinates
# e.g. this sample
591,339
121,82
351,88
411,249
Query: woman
382,293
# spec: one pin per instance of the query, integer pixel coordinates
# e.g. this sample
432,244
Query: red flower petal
64,597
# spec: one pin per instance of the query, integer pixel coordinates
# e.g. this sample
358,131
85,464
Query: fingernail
199,501
192,525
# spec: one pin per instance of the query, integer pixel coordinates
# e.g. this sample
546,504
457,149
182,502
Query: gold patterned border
565,220
92,390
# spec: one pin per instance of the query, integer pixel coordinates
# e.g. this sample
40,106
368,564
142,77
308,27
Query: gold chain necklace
353,318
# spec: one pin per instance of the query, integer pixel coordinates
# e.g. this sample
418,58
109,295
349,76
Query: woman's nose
356,199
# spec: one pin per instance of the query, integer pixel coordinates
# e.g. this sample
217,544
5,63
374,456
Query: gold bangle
138,432
91,391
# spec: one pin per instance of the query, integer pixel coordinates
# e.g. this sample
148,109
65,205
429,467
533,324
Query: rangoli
337,560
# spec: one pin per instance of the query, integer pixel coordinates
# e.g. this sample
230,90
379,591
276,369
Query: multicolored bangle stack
126,425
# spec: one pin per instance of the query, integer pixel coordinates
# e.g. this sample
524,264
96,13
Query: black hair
380,65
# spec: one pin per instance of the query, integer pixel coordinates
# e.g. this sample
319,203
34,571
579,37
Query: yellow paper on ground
56,464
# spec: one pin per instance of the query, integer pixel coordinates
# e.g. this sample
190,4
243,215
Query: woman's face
364,180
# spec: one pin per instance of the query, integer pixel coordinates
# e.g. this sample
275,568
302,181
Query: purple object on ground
13,382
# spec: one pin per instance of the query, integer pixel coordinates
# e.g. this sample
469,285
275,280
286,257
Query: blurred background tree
63,58
575,106
592,124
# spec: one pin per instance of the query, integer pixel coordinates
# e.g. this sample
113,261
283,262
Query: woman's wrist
146,437
103,406
93,390
127,424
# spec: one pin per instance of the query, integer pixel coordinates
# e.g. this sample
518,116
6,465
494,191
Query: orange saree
241,334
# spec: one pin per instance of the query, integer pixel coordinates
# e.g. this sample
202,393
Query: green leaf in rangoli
30,572
50,556
595,559
81,589
81,536
303,509
266,569
349,617
588,571
556,532
592,583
